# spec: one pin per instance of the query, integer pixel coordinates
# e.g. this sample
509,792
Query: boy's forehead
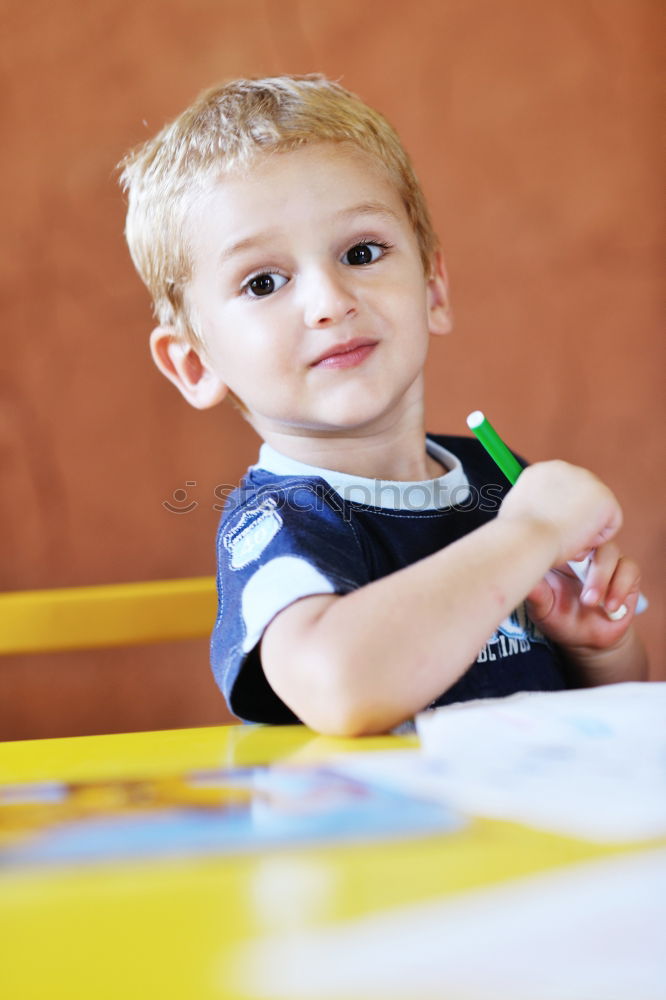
333,179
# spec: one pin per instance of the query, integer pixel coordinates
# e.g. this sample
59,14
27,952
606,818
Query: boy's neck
397,454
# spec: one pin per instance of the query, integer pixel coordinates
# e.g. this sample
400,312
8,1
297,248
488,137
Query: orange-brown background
533,128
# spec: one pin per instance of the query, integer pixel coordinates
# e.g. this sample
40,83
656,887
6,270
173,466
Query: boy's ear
440,317
187,368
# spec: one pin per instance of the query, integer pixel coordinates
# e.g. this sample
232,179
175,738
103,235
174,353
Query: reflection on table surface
483,909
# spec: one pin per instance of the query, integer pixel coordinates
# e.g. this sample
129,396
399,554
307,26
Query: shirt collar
447,490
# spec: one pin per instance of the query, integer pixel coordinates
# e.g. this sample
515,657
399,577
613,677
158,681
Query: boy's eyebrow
249,243
370,208
257,239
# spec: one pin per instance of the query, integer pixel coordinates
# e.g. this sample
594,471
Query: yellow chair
124,614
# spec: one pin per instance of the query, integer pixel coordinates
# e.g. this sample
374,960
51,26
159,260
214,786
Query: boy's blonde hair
225,129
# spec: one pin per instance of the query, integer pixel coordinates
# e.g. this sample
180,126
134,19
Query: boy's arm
365,661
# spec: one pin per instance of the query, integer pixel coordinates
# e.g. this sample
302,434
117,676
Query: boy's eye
264,284
364,253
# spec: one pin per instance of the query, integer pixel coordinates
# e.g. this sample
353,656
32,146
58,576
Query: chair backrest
124,614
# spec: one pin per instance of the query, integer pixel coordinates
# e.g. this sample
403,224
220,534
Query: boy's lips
346,354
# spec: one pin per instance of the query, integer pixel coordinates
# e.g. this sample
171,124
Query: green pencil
492,442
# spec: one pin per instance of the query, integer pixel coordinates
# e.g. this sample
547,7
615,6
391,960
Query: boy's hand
583,516
574,614
573,505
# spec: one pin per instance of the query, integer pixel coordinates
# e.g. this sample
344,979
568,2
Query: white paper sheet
592,931
589,763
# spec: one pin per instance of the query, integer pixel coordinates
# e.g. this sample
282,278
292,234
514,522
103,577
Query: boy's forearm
358,669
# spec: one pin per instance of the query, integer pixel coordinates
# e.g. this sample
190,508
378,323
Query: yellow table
192,928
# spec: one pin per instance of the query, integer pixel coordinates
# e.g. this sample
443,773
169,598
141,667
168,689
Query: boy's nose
327,300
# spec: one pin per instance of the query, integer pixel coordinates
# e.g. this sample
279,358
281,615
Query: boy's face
309,291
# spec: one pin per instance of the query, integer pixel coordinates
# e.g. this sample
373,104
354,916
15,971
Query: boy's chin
351,415
350,427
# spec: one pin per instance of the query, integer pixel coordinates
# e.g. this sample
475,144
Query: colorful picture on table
216,811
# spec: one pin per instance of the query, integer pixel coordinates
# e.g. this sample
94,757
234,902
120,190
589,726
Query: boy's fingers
624,585
612,583
599,575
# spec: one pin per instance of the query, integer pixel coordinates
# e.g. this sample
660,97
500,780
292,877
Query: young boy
365,572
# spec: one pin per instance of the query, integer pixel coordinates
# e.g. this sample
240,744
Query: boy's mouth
347,354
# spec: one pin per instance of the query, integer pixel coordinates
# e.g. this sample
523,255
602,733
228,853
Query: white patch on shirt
516,634
249,537
517,625
275,586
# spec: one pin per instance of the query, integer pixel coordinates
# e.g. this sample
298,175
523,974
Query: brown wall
533,128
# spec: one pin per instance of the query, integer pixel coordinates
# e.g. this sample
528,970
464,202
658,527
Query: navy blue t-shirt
291,531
